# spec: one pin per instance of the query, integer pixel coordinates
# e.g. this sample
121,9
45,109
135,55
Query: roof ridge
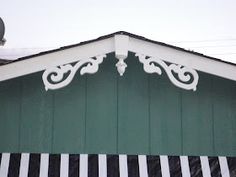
121,33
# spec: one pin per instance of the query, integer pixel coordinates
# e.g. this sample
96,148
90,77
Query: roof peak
121,42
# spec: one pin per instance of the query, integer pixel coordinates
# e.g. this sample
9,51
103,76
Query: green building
118,106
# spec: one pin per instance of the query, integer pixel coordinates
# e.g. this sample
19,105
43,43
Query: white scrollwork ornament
54,78
187,77
121,65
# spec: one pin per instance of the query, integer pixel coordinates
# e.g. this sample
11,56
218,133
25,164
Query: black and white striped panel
84,165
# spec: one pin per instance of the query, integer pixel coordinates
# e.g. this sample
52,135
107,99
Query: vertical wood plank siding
36,116
10,111
101,109
138,113
133,111
69,117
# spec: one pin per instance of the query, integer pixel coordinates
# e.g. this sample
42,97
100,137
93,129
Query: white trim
56,74
184,75
185,166
83,165
121,51
24,165
121,46
64,170
123,165
165,170
142,162
102,164
104,46
40,63
224,166
206,172
4,164
190,60
44,162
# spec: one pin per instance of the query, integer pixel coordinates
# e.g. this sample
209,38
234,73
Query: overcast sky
206,26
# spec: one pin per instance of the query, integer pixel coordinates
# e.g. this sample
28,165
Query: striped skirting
84,165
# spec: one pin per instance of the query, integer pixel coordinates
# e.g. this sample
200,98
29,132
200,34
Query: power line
28,48
222,54
209,46
210,40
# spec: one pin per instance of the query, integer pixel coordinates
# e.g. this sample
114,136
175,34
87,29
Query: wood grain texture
69,117
101,109
10,111
138,113
36,116
133,109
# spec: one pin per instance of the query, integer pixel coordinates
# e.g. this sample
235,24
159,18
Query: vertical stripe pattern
133,167
195,166
64,166
54,165
174,166
154,166
123,166
4,164
83,168
102,165
142,161
205,166
24,165
214,166
74,165
34,165
44,161
92,165
14,165
231,161
184,166
224,166
113,166
165,171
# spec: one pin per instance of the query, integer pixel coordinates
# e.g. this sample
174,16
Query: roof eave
107,44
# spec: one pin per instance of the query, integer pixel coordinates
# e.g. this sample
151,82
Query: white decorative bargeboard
60,65
60,76
54,78
185,78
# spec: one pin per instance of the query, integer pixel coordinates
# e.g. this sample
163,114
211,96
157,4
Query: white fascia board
193,61
121,46
104,46
39,63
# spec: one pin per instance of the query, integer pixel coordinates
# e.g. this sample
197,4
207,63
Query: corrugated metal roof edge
111,35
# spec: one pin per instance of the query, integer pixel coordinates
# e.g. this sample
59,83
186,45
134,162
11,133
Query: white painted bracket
184,77
60,76
121,52
54,78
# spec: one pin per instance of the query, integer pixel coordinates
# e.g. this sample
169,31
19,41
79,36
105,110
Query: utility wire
210,40
212,46
222,54
28,48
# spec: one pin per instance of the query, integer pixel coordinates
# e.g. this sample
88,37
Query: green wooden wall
138,113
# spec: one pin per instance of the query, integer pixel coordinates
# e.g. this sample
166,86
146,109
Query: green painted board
165,115
224,117
197,119
233,116
10,98
101,109
69,117
133,109
137,113
36,116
